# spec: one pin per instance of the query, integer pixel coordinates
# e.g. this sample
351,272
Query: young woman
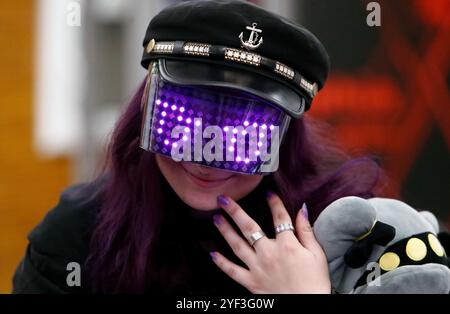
152,223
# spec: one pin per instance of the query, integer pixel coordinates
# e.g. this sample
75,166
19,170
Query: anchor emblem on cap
252,42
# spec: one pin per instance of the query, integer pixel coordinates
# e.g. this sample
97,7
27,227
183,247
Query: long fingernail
304,211
217,219
213,255
222,200
269,194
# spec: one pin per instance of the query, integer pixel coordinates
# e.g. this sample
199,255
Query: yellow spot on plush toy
416,249
389,261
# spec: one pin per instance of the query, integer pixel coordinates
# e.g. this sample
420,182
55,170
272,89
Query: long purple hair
312,169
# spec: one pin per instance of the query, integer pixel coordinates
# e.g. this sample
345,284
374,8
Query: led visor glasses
214,126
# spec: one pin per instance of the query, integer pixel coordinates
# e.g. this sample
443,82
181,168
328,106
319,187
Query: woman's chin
199,186
200,201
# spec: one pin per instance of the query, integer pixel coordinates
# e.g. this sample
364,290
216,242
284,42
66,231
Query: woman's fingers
236,272
305,232
244,222
239,246
280,215
303,265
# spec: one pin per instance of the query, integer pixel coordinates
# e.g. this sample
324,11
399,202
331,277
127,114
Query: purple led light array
230,110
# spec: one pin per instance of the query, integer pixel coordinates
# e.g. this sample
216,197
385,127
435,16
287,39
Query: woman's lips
206,181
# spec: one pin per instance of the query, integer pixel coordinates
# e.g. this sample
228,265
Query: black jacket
64,235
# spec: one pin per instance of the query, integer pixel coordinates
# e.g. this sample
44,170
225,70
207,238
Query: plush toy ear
431,219
358,254
336,229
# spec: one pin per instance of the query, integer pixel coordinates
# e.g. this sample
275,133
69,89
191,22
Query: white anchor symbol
251,44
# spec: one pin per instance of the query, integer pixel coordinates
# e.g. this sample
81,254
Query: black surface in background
341,26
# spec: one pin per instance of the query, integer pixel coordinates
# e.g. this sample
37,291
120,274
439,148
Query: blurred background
68,67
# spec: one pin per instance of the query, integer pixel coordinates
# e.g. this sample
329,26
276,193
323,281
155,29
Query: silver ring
255,236
284,227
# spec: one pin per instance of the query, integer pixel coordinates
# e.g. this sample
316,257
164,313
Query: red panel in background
389,106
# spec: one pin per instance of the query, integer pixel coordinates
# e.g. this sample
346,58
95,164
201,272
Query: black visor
209,74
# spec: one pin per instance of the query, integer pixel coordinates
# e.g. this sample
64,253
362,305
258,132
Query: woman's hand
287,264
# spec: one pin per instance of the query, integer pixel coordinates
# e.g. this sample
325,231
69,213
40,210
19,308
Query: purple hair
312,169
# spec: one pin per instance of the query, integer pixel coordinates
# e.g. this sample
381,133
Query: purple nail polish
217,219
222,200
269,194
304,211
213,255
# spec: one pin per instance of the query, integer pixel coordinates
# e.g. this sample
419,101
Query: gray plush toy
382,245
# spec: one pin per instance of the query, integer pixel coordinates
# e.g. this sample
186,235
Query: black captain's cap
239,45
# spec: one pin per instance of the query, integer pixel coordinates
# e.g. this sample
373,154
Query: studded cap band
218,52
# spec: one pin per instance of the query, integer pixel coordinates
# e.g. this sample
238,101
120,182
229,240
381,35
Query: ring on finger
255,236
284,227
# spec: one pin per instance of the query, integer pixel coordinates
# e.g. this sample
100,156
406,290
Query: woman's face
198,186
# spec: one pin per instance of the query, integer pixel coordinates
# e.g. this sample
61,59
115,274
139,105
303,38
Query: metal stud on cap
150,45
